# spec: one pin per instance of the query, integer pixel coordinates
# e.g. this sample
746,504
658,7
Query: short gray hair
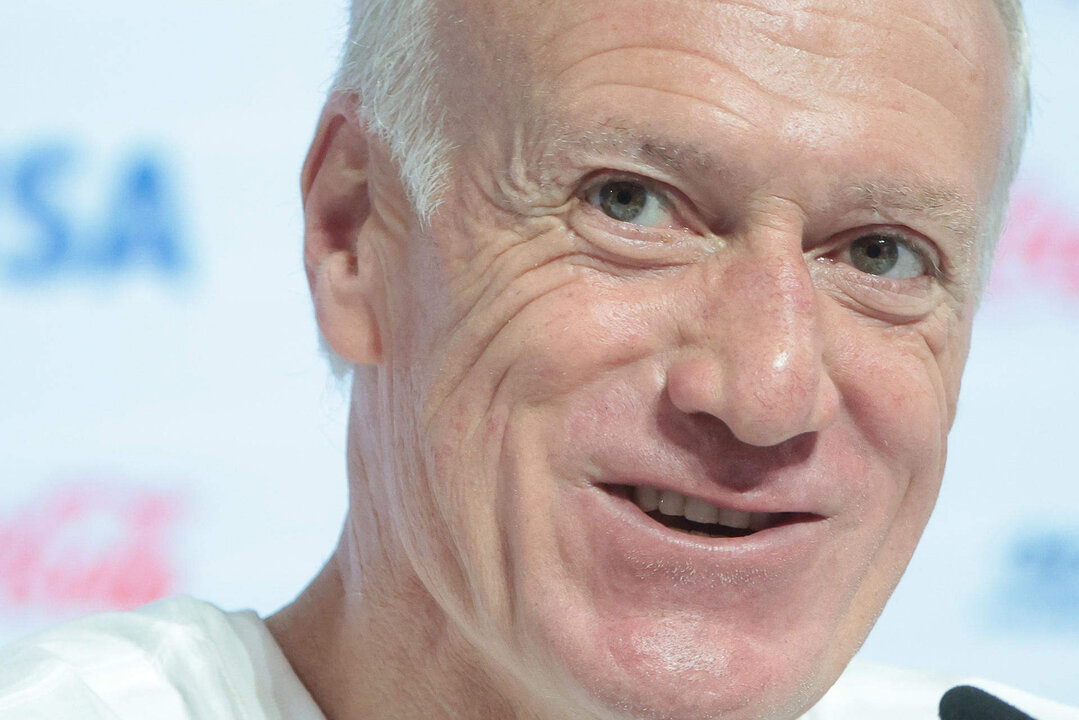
1015,27
389,63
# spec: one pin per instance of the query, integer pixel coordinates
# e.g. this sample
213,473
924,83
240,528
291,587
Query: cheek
580,332
539,363
484,449
899,386
593,329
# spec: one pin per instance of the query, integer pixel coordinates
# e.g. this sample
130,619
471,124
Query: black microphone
969,703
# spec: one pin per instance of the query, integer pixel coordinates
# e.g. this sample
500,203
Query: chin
679,667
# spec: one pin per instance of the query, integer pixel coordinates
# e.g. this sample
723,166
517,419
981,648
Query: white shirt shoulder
882,692
177,659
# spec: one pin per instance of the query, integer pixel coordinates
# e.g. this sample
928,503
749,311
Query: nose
754,350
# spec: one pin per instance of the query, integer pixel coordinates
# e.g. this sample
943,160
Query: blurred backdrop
168,426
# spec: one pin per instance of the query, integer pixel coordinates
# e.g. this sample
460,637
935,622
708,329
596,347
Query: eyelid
898,302
917,243
597,180
683,215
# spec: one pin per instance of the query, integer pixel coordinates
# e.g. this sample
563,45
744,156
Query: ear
342,269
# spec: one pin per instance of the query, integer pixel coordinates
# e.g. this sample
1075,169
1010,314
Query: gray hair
1015,26
390,64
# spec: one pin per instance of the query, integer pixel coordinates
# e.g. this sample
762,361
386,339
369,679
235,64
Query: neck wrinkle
372,644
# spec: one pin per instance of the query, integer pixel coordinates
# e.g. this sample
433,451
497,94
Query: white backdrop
166,423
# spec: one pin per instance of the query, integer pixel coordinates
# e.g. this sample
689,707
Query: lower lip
625,534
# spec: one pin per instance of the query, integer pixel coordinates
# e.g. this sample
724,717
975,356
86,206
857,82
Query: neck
371,643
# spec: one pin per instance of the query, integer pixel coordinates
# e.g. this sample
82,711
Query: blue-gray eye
631,201
887,256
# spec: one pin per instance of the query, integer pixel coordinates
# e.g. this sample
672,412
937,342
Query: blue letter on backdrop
137,228
142,225
37,178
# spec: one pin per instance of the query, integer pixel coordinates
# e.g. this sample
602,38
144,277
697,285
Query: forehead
789,32
765,64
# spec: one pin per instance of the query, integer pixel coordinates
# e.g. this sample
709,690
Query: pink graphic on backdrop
89,545
1039,249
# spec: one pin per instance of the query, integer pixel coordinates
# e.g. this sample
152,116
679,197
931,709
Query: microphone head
969,703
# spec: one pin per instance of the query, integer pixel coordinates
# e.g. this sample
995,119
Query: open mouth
694,516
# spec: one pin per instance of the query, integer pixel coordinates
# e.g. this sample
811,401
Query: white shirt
880,692
177,659
182,659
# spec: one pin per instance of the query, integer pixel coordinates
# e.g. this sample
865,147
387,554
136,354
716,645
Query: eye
633,202
886,255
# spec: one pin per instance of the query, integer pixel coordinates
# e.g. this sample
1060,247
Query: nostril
762,403
693,385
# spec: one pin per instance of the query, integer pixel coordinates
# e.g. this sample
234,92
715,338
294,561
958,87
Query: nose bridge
780,304
771,350
763,370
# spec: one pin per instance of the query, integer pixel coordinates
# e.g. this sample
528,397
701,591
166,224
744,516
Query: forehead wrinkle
711,106
872,19
789,19
943,36
843,39
729,61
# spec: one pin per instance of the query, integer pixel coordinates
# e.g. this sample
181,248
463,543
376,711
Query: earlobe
344,311
342,269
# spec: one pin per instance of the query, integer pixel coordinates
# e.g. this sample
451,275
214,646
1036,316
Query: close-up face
669,378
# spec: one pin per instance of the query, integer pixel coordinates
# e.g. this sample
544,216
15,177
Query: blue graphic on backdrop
1040,582
132,223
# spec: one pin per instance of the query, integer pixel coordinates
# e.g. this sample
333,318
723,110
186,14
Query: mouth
694,516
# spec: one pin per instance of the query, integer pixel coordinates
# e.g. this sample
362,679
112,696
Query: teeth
672,503
646,498
734,519
759,521
700,511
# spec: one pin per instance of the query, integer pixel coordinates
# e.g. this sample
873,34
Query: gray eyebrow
676,156
943,204
611,135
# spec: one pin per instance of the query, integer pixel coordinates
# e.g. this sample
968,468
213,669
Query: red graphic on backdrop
89,546
1039,249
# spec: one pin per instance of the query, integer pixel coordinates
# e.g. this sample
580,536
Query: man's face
716,256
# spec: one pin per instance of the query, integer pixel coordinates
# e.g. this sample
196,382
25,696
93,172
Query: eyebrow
677,157
942,203
610,136
938,201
